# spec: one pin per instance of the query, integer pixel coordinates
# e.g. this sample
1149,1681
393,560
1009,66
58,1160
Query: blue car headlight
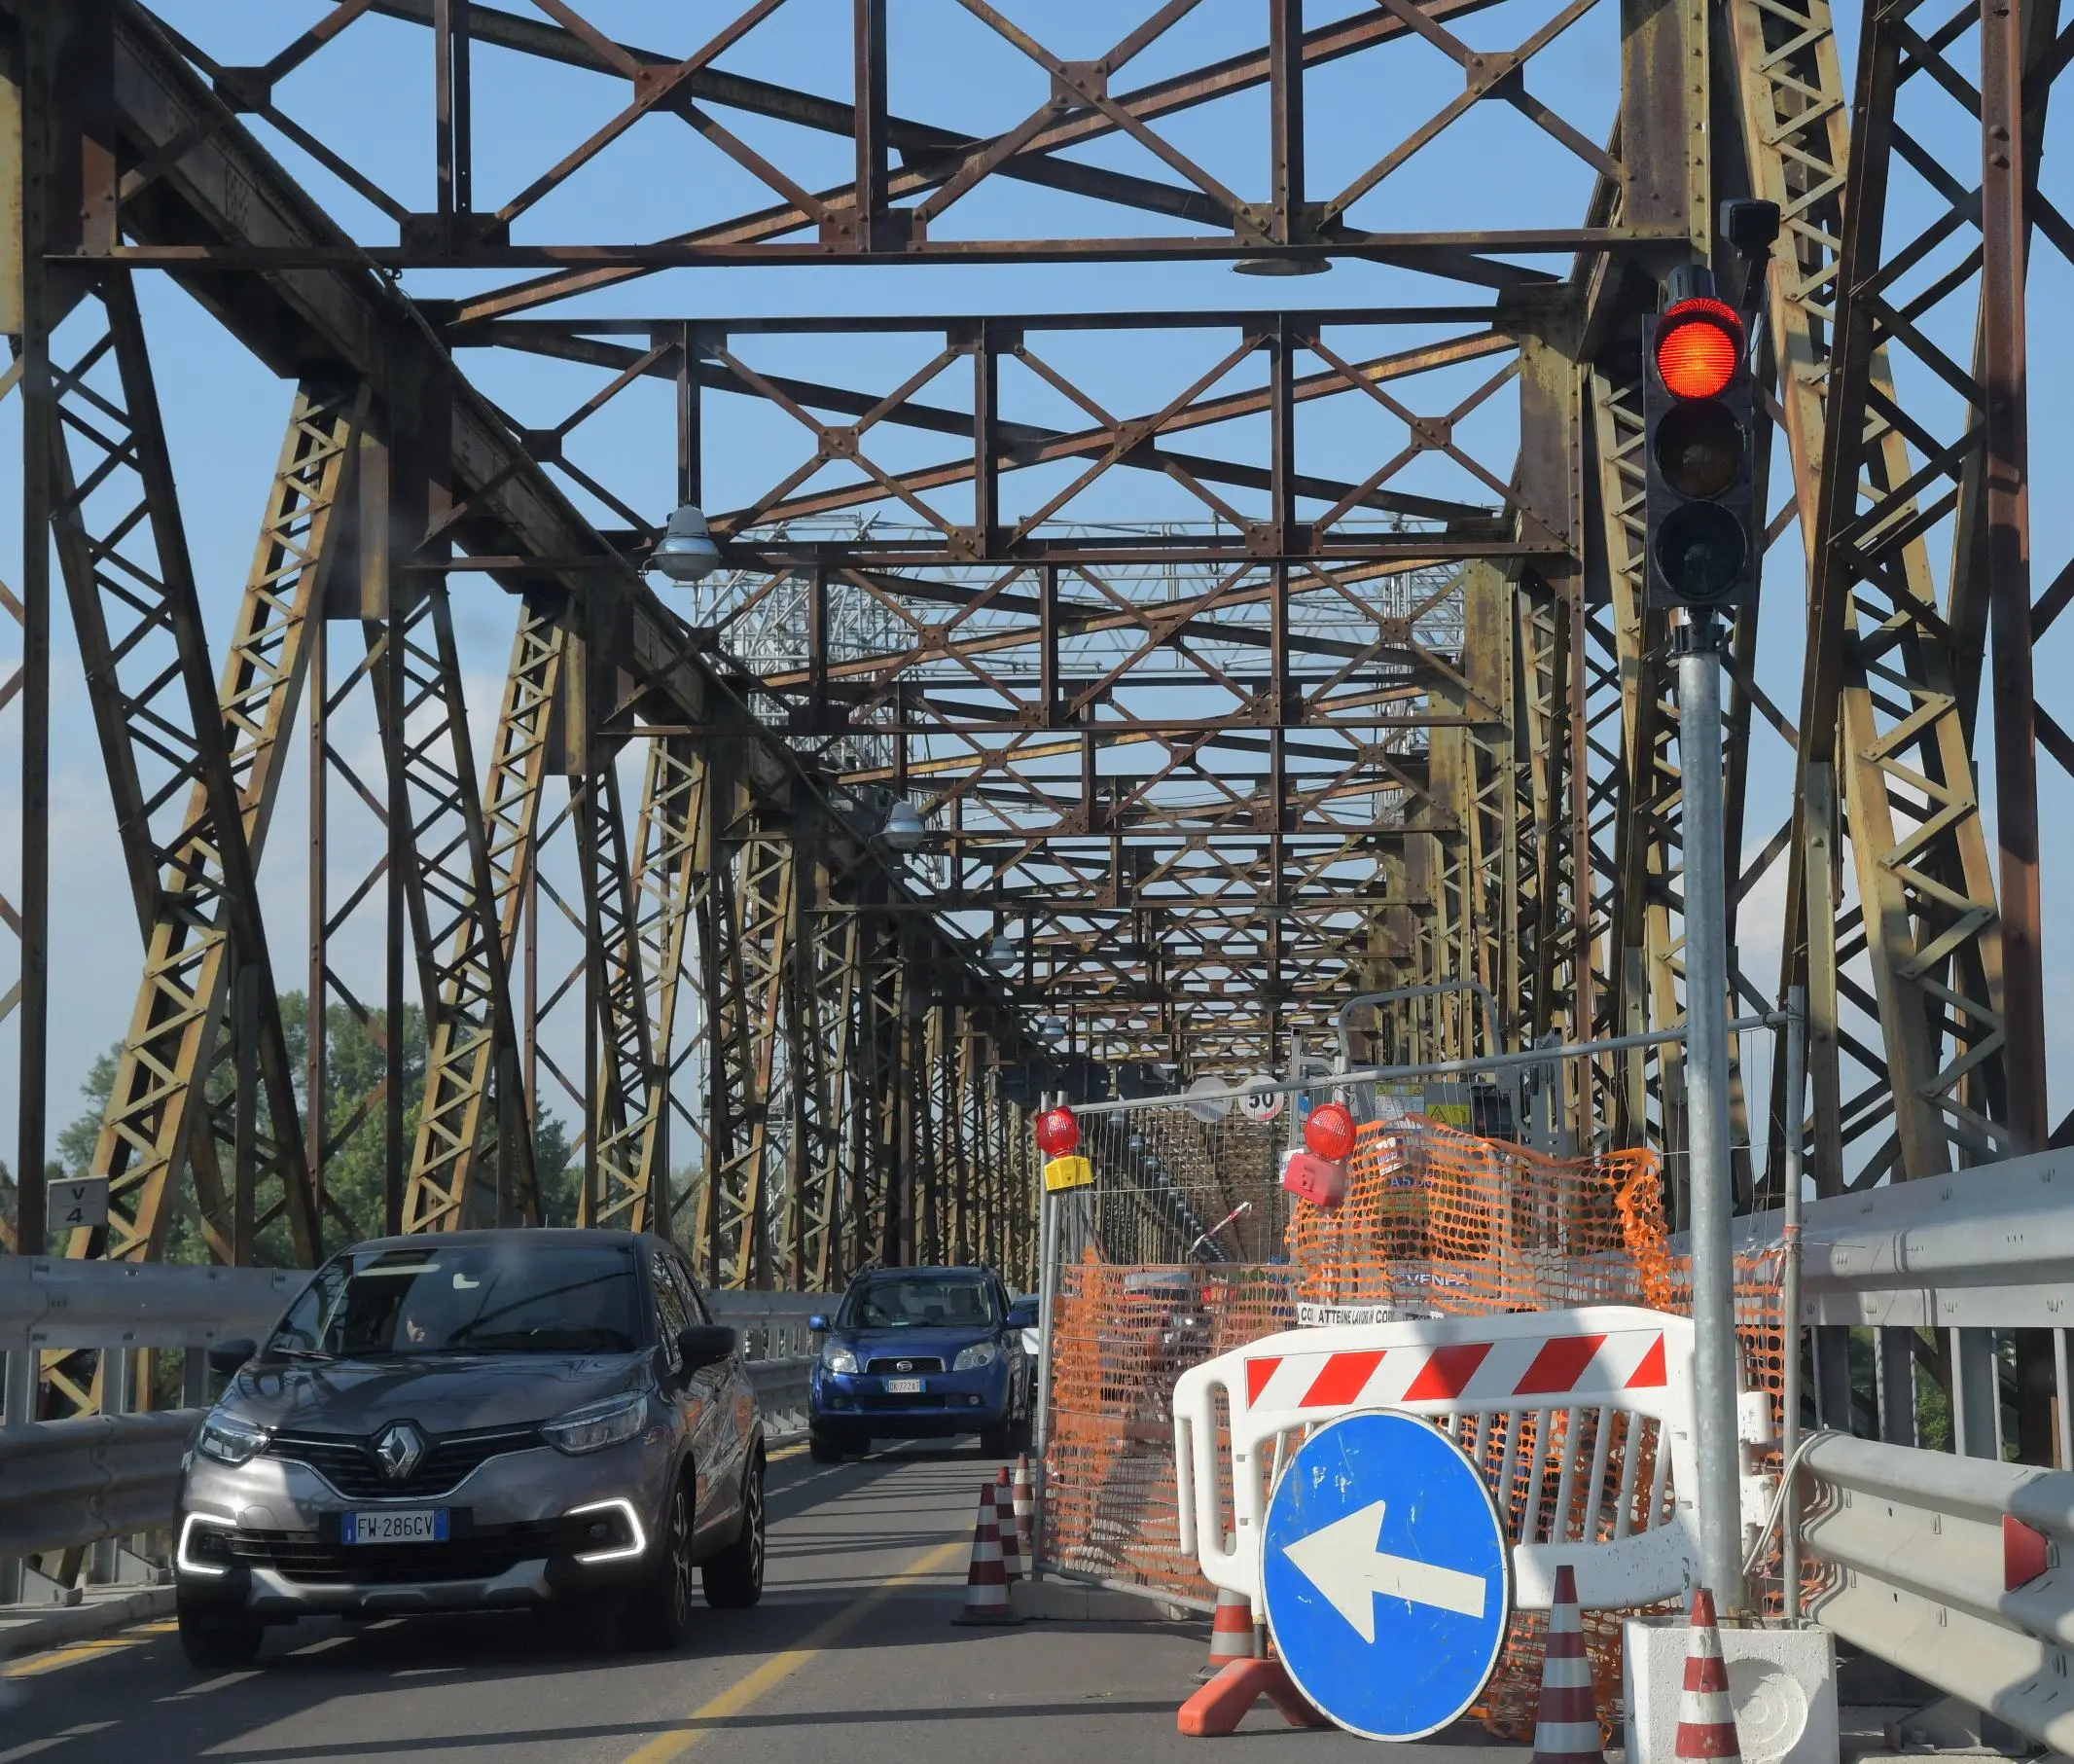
971,1360
837,1358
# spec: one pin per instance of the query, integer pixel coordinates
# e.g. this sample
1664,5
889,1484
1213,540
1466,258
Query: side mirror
818,1324
706,1345
225,1357
1022,1316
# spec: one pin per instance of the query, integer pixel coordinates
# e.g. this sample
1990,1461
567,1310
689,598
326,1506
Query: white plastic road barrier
1577,1372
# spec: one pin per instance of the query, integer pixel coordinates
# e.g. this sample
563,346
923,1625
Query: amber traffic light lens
1700,550
1698,449
1698,343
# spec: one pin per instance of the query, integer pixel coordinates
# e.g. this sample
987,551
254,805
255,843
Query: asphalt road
851,1659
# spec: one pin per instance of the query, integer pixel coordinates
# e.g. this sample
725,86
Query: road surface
851,1659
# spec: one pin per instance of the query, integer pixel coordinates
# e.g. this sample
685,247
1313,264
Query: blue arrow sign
1386,1575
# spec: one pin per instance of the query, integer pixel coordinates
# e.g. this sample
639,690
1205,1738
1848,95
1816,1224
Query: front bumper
949,1402
263,1538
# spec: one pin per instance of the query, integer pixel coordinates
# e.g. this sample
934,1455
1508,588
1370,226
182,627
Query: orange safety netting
1433,1220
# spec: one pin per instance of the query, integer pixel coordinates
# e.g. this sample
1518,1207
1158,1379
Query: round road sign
1212,1108
1386,1575
1262,1103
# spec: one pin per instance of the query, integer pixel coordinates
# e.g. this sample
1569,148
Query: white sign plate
78,1205
1262,1103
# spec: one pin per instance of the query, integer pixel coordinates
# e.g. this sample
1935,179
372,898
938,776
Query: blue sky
369,96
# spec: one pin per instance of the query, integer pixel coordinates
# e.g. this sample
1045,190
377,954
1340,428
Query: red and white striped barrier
1606,1465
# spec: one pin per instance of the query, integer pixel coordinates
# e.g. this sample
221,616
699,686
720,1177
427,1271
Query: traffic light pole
1696,644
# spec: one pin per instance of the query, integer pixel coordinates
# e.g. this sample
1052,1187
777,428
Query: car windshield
919,1301
487,1298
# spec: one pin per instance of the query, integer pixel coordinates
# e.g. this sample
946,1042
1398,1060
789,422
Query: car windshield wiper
542,1340
299,1353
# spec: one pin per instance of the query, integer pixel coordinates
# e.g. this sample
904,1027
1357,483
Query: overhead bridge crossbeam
1045,697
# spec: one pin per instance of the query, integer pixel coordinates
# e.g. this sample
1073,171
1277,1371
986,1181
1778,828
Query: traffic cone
1566,1731
1706,1723
985,1586
1230,1634
1025,1510
1005,1524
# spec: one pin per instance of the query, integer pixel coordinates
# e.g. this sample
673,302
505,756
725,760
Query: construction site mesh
1434,1222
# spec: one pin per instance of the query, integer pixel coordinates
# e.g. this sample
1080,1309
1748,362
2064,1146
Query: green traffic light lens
1700,550
1698,449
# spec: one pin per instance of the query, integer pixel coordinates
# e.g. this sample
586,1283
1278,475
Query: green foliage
355,1060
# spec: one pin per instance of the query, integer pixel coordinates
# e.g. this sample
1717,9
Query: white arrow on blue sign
1386,1575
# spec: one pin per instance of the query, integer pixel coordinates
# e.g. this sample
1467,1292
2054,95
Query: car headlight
230,1439
979,1354
837,1358
597,1425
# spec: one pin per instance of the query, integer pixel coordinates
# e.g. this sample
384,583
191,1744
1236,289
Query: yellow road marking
780,1666
58,1659
784,1451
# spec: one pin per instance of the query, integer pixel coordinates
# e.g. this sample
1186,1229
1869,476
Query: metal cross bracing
194,768
1045,108
422,473
1235,658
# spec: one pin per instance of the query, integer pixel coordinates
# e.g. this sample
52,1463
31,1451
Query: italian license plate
403,1524
904,1387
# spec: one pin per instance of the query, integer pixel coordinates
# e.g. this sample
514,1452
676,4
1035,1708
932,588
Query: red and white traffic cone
1706,1721
1004,1523
1025,1510
985,1585
1566,1730
1232,1635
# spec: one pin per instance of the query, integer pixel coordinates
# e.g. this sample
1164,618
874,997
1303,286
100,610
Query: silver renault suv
476,1421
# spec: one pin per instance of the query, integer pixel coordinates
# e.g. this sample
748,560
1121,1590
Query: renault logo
398,1451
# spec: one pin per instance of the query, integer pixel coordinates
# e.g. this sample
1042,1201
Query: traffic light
1697,408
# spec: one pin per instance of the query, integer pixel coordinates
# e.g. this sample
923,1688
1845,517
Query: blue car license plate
399,1524
904,1387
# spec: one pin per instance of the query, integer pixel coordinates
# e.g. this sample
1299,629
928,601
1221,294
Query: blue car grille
896,1368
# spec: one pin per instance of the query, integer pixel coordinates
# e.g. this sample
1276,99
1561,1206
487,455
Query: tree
355,1062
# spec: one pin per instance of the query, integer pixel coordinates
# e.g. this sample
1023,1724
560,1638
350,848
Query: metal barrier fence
94,1480
1909,1302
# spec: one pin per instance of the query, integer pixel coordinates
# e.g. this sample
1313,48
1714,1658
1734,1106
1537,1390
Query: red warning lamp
1057,1133
1699,343
1330,1131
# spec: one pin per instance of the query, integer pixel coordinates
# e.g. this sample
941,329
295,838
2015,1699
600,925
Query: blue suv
922,1354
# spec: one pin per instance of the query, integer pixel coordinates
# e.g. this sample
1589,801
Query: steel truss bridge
1237,657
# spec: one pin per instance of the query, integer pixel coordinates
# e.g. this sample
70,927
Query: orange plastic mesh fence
1433,1220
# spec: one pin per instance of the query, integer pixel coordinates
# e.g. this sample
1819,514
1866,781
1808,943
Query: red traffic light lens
1057,1133
1330,1131
1699,342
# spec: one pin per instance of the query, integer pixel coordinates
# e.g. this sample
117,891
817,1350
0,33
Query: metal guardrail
52,1302
69,1483
1974,1254
1945,1564
1951,1569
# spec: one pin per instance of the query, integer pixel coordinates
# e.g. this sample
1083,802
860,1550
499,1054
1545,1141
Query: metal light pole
1697,646
1046,1303
1790,1295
